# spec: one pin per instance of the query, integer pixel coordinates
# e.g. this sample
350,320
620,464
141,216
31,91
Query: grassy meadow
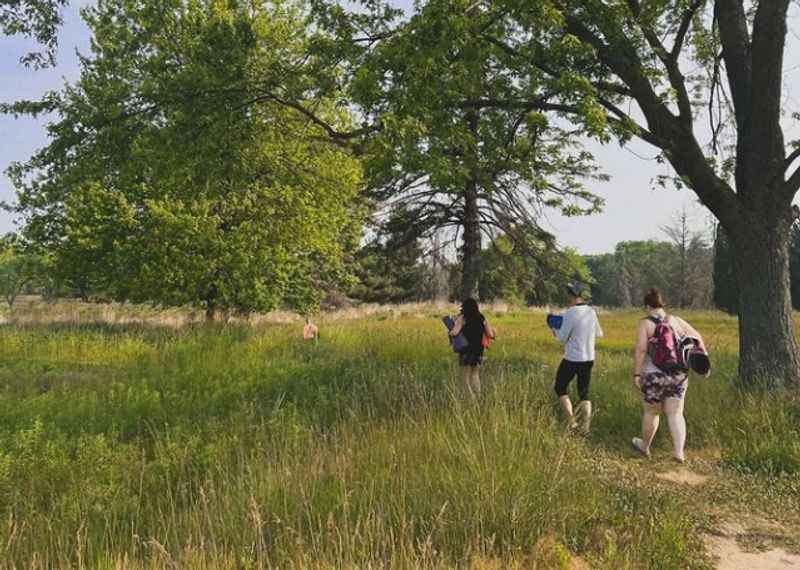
141,446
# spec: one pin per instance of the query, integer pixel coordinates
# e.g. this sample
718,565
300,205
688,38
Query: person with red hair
663,389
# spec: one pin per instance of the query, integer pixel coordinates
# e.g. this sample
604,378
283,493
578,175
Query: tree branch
676,79
792,185
508,104
625,121
795,154
338,137
668,132
763,135
683,29
732,22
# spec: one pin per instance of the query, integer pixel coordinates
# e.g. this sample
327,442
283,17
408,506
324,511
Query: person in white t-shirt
579,330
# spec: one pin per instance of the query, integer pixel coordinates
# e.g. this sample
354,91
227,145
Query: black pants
567,370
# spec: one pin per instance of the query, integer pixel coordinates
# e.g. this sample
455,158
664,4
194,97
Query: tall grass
240,447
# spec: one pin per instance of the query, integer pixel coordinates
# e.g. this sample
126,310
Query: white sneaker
638,445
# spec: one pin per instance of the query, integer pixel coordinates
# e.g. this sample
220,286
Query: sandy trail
725,544
729,555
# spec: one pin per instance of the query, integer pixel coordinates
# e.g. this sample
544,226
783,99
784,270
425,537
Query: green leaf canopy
167,178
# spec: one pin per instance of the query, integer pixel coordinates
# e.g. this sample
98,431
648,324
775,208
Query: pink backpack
664,347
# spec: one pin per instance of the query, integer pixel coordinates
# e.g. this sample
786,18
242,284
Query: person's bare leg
566,409
673,407
649,429
476,380
650,423
468,380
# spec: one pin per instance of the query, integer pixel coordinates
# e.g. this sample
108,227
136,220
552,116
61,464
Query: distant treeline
693,269
396,268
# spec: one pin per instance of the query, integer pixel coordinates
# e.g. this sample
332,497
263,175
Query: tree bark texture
768,350
471,250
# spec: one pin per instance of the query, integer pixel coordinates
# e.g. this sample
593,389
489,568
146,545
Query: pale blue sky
634,210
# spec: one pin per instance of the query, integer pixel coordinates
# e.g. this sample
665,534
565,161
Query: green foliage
511,276
641,265
603,271
458,137
19,270
681,271
390,266
37,19
171,178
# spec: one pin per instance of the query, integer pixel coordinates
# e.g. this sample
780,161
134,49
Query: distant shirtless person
310,330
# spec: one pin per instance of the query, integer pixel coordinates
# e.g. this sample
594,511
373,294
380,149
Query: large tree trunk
472,242
471,251
768,350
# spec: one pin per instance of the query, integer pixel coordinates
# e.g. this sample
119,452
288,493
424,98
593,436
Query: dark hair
699,362
654,299
470,310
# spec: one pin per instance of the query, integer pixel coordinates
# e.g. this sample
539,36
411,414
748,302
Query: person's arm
598,331
457,326
489,330
567,325
640,353
688,330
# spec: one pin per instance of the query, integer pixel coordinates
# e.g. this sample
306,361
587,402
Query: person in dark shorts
474,326
578,332
662,391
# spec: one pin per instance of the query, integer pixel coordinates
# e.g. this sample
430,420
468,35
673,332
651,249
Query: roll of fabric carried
554,321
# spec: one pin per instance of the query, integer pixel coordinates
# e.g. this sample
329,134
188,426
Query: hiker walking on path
477,331
661,372
578,332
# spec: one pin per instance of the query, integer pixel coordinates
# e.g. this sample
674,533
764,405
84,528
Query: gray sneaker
638,445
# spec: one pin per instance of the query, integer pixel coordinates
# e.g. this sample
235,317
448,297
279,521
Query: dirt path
729,554
740,539
748,522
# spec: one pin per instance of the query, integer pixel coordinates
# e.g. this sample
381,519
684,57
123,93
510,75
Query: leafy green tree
19,270
511,276
632,60
641,265
391,265
13,276
458,133
603,271
167,180
504,274
682,271
37,19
